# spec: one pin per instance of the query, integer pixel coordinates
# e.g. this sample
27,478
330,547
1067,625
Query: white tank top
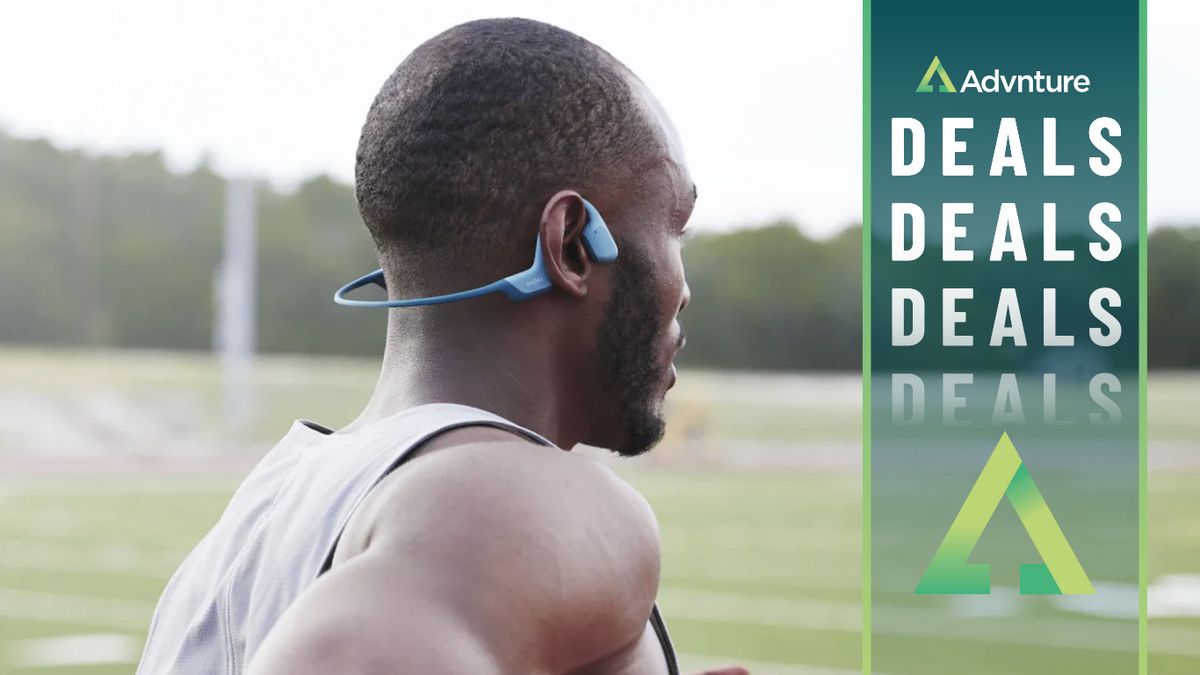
278,535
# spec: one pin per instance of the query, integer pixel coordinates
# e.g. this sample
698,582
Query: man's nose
687,296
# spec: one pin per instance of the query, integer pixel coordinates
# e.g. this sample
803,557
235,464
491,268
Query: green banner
1004,353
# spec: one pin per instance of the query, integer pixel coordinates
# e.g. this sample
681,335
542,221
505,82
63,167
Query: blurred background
176,210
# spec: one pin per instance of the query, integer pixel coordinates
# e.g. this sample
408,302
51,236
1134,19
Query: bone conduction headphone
597,240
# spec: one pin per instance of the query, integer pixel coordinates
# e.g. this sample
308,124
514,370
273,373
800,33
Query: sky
766,95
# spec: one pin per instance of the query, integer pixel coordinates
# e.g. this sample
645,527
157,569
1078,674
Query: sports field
114,465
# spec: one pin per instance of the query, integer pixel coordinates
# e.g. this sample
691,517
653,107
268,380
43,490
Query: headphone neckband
597,240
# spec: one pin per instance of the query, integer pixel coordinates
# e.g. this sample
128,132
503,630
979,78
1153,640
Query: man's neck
495,368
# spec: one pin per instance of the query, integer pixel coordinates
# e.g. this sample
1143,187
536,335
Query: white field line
68,526
799,582
171,486
764,611
80,610
796,541
74,650
1175,595
695,661
914,622
113,559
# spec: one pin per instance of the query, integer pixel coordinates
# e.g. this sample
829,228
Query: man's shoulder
517,486
550,534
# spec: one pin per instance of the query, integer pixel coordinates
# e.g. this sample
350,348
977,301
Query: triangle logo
926,87
1004,475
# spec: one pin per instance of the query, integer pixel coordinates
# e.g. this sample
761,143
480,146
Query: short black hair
479,127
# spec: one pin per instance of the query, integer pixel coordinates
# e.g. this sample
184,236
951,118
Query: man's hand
730,670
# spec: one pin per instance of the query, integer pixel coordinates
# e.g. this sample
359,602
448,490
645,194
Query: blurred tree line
106,251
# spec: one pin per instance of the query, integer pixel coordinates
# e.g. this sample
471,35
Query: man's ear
566,260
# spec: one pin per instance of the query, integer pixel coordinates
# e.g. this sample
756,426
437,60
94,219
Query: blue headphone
597,240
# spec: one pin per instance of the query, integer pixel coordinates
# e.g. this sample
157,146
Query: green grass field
761,565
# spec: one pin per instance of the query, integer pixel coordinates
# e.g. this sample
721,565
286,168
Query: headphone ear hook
525,284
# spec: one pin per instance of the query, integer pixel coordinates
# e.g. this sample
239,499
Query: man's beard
628,343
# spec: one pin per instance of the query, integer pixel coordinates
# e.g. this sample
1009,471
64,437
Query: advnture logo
1005,475
1000,83
946,87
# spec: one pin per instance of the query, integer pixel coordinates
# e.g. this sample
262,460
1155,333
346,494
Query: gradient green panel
1005,521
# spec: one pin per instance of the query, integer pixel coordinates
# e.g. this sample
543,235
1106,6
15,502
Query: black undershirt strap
664,639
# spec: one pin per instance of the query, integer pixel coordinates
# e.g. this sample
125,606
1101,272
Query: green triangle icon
1004,475
946,87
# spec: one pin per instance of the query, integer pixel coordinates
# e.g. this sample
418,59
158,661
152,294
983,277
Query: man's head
490,135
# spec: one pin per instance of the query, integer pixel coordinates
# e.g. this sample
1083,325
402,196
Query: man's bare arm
487,558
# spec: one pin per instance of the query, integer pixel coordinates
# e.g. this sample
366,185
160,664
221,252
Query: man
442,531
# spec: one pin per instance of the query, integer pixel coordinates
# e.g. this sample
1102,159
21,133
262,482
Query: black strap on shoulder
664,639
412,450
